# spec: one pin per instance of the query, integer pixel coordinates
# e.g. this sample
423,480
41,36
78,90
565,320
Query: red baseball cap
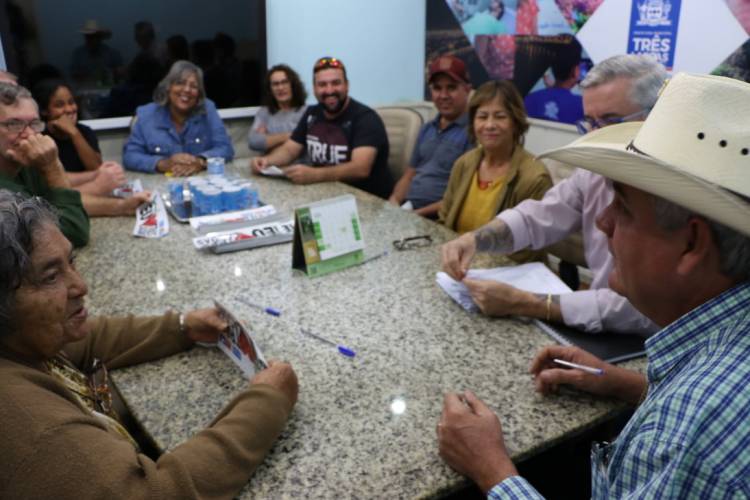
451,66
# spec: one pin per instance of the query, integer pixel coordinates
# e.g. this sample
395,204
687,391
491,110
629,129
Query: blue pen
267,310
373,257
343,350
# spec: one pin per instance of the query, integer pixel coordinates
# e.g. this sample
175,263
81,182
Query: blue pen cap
272,311
346,352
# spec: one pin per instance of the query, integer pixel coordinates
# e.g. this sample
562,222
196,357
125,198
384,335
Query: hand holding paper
272,171
499,299
281,376
457,254
533,278
204,325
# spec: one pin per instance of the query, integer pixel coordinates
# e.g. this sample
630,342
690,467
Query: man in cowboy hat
679,232
620,88
95,61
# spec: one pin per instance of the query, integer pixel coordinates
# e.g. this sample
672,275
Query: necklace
88,395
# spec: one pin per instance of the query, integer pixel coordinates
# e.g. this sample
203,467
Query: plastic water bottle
215,166
211,197
232,198
175,191
252,192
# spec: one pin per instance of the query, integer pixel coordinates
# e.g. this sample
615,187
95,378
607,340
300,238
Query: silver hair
10,94
178,71
647,74
20,219
734,247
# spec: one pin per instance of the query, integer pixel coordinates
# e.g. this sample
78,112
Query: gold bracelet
549,306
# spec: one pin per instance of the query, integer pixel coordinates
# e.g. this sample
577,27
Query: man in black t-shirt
338,133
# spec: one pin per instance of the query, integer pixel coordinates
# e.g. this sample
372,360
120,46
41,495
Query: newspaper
205,222
268,233
151,219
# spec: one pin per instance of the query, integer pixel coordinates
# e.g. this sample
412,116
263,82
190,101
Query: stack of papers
534,277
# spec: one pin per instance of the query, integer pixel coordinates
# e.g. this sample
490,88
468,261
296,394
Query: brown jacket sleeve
129,340
53,447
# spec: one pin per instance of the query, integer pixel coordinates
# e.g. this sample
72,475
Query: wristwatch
181,319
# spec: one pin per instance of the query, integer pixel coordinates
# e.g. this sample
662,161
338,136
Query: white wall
381,42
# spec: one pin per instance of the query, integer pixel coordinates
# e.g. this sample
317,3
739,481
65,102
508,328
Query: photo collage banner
546,47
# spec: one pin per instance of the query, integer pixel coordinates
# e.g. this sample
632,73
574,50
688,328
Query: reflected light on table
237,271
398,406
160,286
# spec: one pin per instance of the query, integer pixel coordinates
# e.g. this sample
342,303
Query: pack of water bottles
210,195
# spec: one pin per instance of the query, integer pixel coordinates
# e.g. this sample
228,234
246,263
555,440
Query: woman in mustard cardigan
499,173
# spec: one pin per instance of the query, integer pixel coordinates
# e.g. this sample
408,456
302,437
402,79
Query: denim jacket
154,137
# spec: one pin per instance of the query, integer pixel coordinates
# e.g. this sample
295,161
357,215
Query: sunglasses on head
328,62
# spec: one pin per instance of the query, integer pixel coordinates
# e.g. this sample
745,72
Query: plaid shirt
690,438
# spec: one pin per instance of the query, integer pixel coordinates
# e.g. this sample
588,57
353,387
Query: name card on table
327,236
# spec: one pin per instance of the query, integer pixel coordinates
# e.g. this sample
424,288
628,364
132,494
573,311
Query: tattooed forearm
494,237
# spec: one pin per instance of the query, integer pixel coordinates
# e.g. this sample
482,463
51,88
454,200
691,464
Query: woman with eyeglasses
62,435
180,129
499,173
283,106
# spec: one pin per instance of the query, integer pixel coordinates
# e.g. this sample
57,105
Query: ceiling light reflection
398,406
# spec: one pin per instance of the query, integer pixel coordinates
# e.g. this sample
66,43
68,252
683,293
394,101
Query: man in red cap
440,141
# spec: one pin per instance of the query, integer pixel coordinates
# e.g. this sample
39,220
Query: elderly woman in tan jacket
499,173
62,438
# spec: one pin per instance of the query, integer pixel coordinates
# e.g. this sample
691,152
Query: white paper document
273,171
534,277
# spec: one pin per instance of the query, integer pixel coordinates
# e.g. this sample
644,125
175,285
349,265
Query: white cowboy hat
693,149
92,27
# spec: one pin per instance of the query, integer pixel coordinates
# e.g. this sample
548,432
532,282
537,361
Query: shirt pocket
196,144
161,148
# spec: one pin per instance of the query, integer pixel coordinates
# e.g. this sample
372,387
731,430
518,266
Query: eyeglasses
280,83
413,242
18,126
99,384
587,125
328,62
186,85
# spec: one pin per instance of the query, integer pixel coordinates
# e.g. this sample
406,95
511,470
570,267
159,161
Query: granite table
363,427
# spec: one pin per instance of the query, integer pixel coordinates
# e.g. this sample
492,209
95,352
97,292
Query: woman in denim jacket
178,131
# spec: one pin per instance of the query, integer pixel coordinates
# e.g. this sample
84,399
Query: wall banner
653,29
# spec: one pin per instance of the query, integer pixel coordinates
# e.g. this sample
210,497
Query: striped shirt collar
678,341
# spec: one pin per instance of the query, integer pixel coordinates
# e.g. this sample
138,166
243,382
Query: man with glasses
621,88
340,134
29,163
440,141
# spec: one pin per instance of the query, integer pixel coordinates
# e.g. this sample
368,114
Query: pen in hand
584,368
